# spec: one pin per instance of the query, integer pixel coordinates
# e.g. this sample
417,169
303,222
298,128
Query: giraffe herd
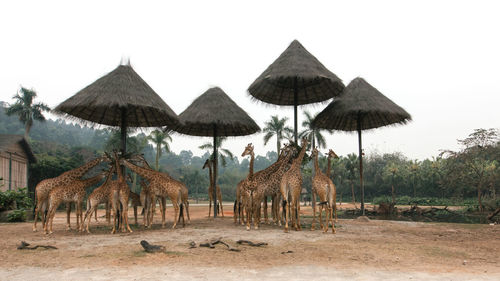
281,182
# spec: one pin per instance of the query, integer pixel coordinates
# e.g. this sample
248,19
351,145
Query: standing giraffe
98,196
209,163
135,199
291,186
323,187
118,196
43,188
250,184
74,192
184,191
270,187
332,155
160,185
238,205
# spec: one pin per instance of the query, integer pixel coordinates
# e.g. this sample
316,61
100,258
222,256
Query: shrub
17,216
15,199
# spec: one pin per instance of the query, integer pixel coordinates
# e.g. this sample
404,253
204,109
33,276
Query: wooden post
295,104
215,171
361,168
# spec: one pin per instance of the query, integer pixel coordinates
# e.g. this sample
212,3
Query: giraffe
160,185
74,192
238,209
270,187
250,184
332,155
43,188
98,196
134,198
184,191
209,163
323,187
118,195
291,186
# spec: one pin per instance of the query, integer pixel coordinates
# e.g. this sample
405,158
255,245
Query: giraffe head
248,150
315,152
332,154
304,142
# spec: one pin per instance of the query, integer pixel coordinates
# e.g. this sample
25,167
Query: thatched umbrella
215,114
120,98
295,78
361,107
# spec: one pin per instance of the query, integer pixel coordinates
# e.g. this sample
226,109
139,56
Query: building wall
19,167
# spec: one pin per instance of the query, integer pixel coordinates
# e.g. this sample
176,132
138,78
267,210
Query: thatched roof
6,142
212,109
314,82
360,101
102,101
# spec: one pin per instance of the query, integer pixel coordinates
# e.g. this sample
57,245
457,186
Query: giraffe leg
89,214
287,214
187,212
108,212
313,205
125,215
35,216
44,214
135,214
209,203
266,218
299,227
333,223
176,213
163,204
68,213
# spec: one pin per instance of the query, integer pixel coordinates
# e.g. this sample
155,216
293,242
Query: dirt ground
361,250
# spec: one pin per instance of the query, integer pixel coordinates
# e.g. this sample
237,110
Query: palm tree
277,127
223,153
160,138
26,109
311,133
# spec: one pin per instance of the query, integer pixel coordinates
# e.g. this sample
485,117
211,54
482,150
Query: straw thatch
102,102
296,67
215,109
360,102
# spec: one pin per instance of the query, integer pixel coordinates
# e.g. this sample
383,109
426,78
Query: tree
26,109
276,127
160,138
413,168
311,133
472,163
351,166
223,153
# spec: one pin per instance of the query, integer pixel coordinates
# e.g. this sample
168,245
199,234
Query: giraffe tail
34,205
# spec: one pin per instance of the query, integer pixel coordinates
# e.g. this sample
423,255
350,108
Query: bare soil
361,250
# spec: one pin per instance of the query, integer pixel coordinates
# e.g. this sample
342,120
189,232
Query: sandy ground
361,250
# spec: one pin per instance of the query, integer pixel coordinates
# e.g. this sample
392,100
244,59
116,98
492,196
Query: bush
425,201
15,199
17,216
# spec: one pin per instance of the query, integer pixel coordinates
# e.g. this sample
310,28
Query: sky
439,60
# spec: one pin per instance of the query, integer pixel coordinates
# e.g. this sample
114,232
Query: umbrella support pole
361,168
295,105
215,172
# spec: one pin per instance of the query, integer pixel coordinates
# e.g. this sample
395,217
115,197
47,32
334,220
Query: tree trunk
27,129
393,195
353,198
278,145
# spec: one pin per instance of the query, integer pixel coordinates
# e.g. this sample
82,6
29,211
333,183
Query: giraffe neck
119,170
143,172
80,171
329,167
317,171
298,160
93,180
252,156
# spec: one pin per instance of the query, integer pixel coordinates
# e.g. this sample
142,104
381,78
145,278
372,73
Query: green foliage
15,199
17,216
424,201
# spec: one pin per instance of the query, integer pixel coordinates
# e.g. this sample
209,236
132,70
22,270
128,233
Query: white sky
440,60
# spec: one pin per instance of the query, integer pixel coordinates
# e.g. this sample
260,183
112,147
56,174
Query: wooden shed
15,157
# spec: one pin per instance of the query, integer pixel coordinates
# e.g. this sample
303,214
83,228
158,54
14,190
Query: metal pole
295,104
361,168
215,172
123,132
